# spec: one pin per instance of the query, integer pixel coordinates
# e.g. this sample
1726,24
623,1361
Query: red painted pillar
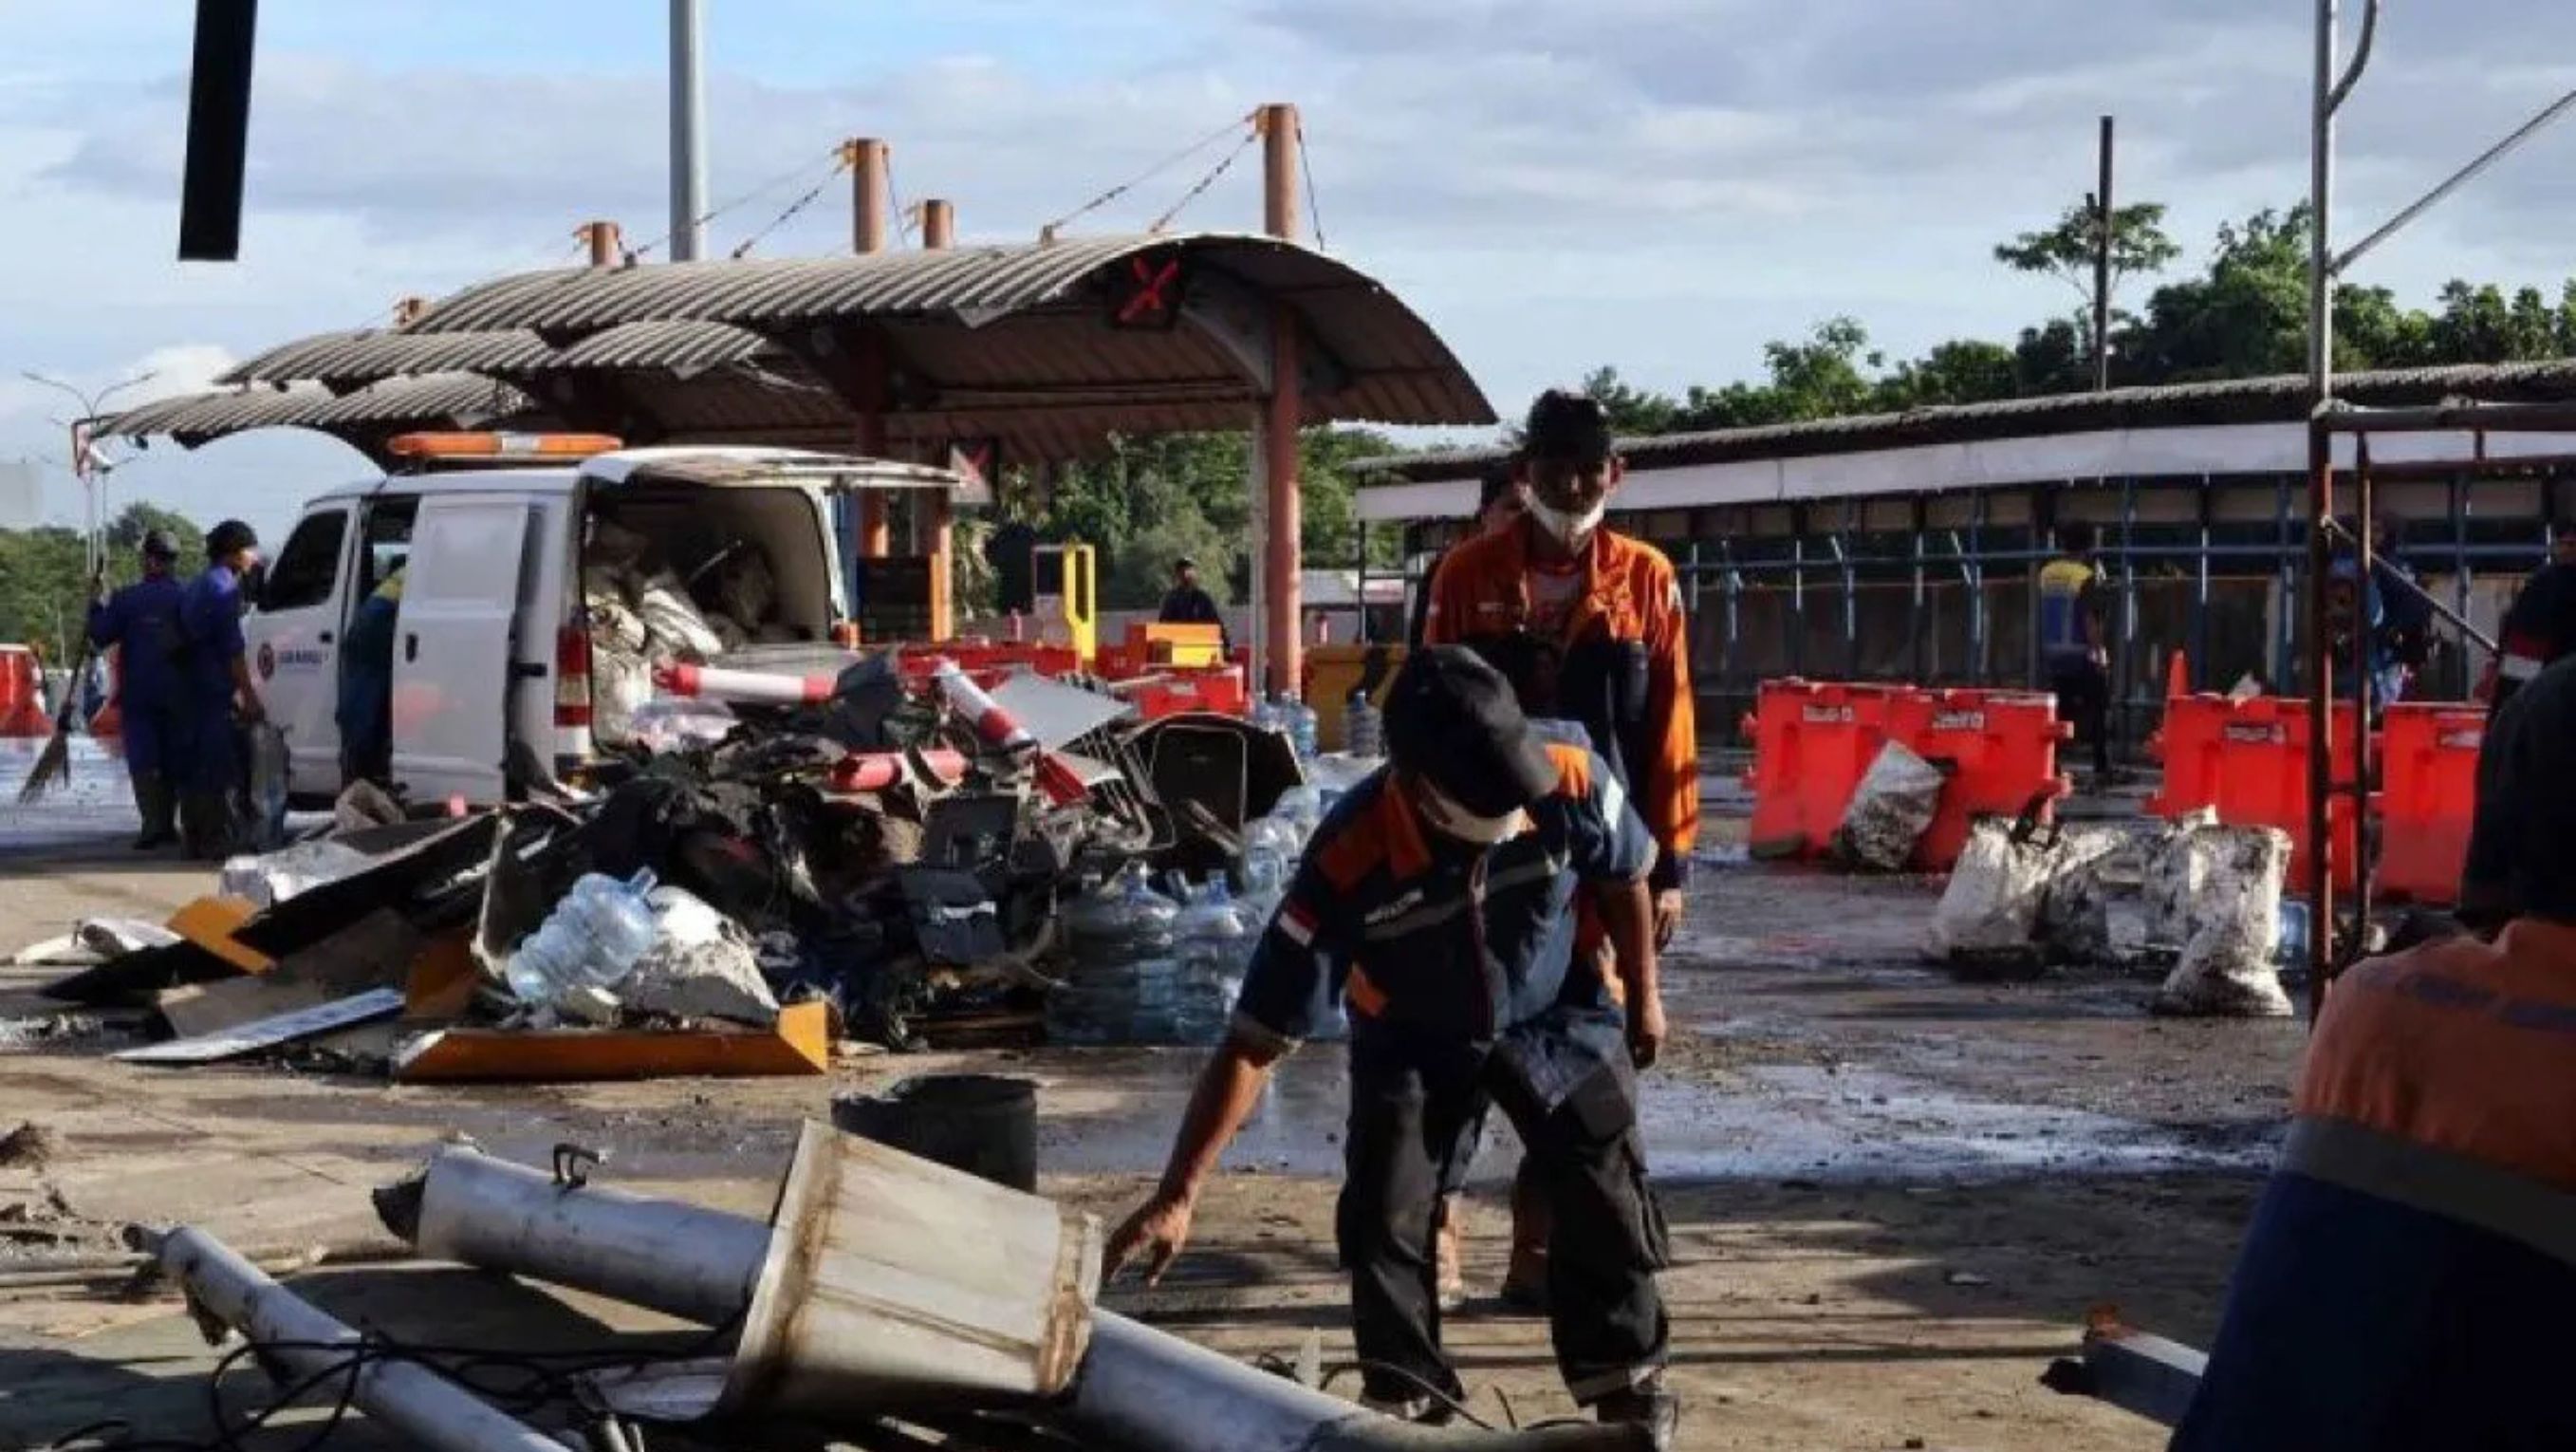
868,192
1283,417
939,536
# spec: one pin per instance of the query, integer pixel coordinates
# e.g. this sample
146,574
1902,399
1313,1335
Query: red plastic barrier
1172,690
2429,776
22,694
1811,743
2249,760
2001,747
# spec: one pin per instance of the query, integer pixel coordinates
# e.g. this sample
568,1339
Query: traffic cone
2177,676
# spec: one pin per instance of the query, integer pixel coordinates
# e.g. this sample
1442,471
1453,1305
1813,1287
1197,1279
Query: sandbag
1992,905
672,624
2216,891
621,682
702,965
1890,809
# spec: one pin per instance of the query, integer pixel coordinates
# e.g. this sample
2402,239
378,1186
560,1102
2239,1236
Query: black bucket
984,1124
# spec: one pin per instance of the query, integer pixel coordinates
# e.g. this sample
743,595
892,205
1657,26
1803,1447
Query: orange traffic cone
2177,676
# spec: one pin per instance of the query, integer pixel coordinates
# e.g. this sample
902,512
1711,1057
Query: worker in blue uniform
141,624
1436,899
221,698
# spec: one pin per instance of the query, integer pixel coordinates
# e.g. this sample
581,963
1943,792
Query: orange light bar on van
500,446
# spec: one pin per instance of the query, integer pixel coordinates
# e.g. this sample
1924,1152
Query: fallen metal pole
1138,1386
425,1408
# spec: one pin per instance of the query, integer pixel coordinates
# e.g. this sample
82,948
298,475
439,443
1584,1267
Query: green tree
2065,250
1963,370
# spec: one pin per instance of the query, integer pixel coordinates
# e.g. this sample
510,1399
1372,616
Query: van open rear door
452,647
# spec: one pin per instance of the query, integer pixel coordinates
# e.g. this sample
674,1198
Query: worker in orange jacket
1588,626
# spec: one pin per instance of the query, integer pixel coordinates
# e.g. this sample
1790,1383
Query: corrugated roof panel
674,346
2244,400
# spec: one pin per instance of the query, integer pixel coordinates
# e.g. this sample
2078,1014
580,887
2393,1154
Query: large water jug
592,938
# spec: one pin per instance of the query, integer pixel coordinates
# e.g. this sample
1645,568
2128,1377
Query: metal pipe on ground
427,1409
1137,1387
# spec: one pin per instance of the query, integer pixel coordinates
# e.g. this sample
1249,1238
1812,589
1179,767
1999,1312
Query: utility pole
2104,215
688,134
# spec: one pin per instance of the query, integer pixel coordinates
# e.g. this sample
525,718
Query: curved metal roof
449,400
2272,399
1010,343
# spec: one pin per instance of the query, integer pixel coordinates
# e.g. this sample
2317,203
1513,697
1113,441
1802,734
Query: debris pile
2195,904
899,851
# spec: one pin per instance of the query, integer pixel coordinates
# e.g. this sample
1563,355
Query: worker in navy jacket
1437,899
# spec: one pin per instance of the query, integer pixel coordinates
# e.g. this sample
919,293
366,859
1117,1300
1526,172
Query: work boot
206,818
1649,1405
152,800
1449,1253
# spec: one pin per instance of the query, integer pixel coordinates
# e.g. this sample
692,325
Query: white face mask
1450,819
1569,529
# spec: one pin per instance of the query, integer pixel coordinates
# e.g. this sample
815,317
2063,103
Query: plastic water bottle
1265,711
1363,728
1302,725
592,938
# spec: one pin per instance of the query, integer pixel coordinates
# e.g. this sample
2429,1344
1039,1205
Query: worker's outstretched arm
1627,912
1227,1091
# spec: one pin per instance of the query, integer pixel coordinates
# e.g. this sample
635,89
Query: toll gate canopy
1007,354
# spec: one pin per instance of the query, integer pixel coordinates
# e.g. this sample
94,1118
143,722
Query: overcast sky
1659,184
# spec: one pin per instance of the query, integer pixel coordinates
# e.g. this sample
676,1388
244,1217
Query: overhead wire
1246,120
1314,207
800,204
784,179
1204,182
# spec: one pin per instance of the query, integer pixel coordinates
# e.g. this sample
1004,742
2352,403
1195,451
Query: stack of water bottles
1281,711
591,940
1120,937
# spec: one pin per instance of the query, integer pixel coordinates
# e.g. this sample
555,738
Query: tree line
44,584
2244,315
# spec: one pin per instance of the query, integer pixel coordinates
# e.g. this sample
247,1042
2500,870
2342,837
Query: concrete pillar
868,191
1283,416
938,531
605,244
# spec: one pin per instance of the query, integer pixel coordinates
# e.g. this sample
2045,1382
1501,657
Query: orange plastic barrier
2001,747
2429,779
2249,760
1812,741
22,694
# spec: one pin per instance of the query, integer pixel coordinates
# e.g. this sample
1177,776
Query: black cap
1567,427
1452,719
158,545
1185,563
229,536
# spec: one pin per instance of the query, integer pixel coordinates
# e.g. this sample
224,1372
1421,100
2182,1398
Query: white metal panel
295,661
452,650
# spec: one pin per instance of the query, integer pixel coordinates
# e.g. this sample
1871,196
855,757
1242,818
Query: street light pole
92,406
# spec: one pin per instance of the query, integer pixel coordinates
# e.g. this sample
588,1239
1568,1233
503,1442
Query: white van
492,679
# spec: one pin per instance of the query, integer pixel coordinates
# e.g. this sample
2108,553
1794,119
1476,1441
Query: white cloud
1662,184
